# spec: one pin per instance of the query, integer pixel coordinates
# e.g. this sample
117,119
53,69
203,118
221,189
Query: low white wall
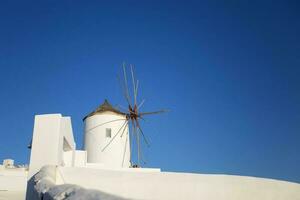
80,158
68,158
166,185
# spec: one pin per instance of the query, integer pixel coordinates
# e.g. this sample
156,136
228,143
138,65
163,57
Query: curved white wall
117,153
167,185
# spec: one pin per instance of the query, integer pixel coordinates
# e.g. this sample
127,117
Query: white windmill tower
106,137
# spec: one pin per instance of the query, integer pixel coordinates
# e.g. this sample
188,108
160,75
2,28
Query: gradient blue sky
228,71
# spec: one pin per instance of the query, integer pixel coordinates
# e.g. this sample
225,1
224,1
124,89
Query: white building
101,171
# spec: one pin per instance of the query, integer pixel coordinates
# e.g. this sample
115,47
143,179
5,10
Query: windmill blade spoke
104,124
128,111
143,101
139,148
131,145
142,157
136,91
138,143
142,132
123,90
142,118
122,108
126,84
125,148
114,136
124,130
152,113
133,83
144,137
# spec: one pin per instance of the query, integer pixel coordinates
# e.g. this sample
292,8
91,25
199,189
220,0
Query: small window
108,132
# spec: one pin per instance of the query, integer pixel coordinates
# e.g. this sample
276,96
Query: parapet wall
167,185
69,183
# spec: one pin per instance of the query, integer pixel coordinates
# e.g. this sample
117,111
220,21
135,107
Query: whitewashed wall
52,135
117,153
13,183
53,144
167,185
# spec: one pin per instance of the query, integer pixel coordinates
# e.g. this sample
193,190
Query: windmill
133,113
106,123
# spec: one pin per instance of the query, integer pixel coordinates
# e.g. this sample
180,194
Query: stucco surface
13,184
111,152
168,185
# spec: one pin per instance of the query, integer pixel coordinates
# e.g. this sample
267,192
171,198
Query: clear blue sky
228,71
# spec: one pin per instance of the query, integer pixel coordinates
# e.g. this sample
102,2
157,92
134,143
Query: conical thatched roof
104,107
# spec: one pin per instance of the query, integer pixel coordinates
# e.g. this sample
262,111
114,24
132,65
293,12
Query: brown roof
104,107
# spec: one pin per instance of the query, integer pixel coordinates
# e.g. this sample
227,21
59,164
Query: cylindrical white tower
106,137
